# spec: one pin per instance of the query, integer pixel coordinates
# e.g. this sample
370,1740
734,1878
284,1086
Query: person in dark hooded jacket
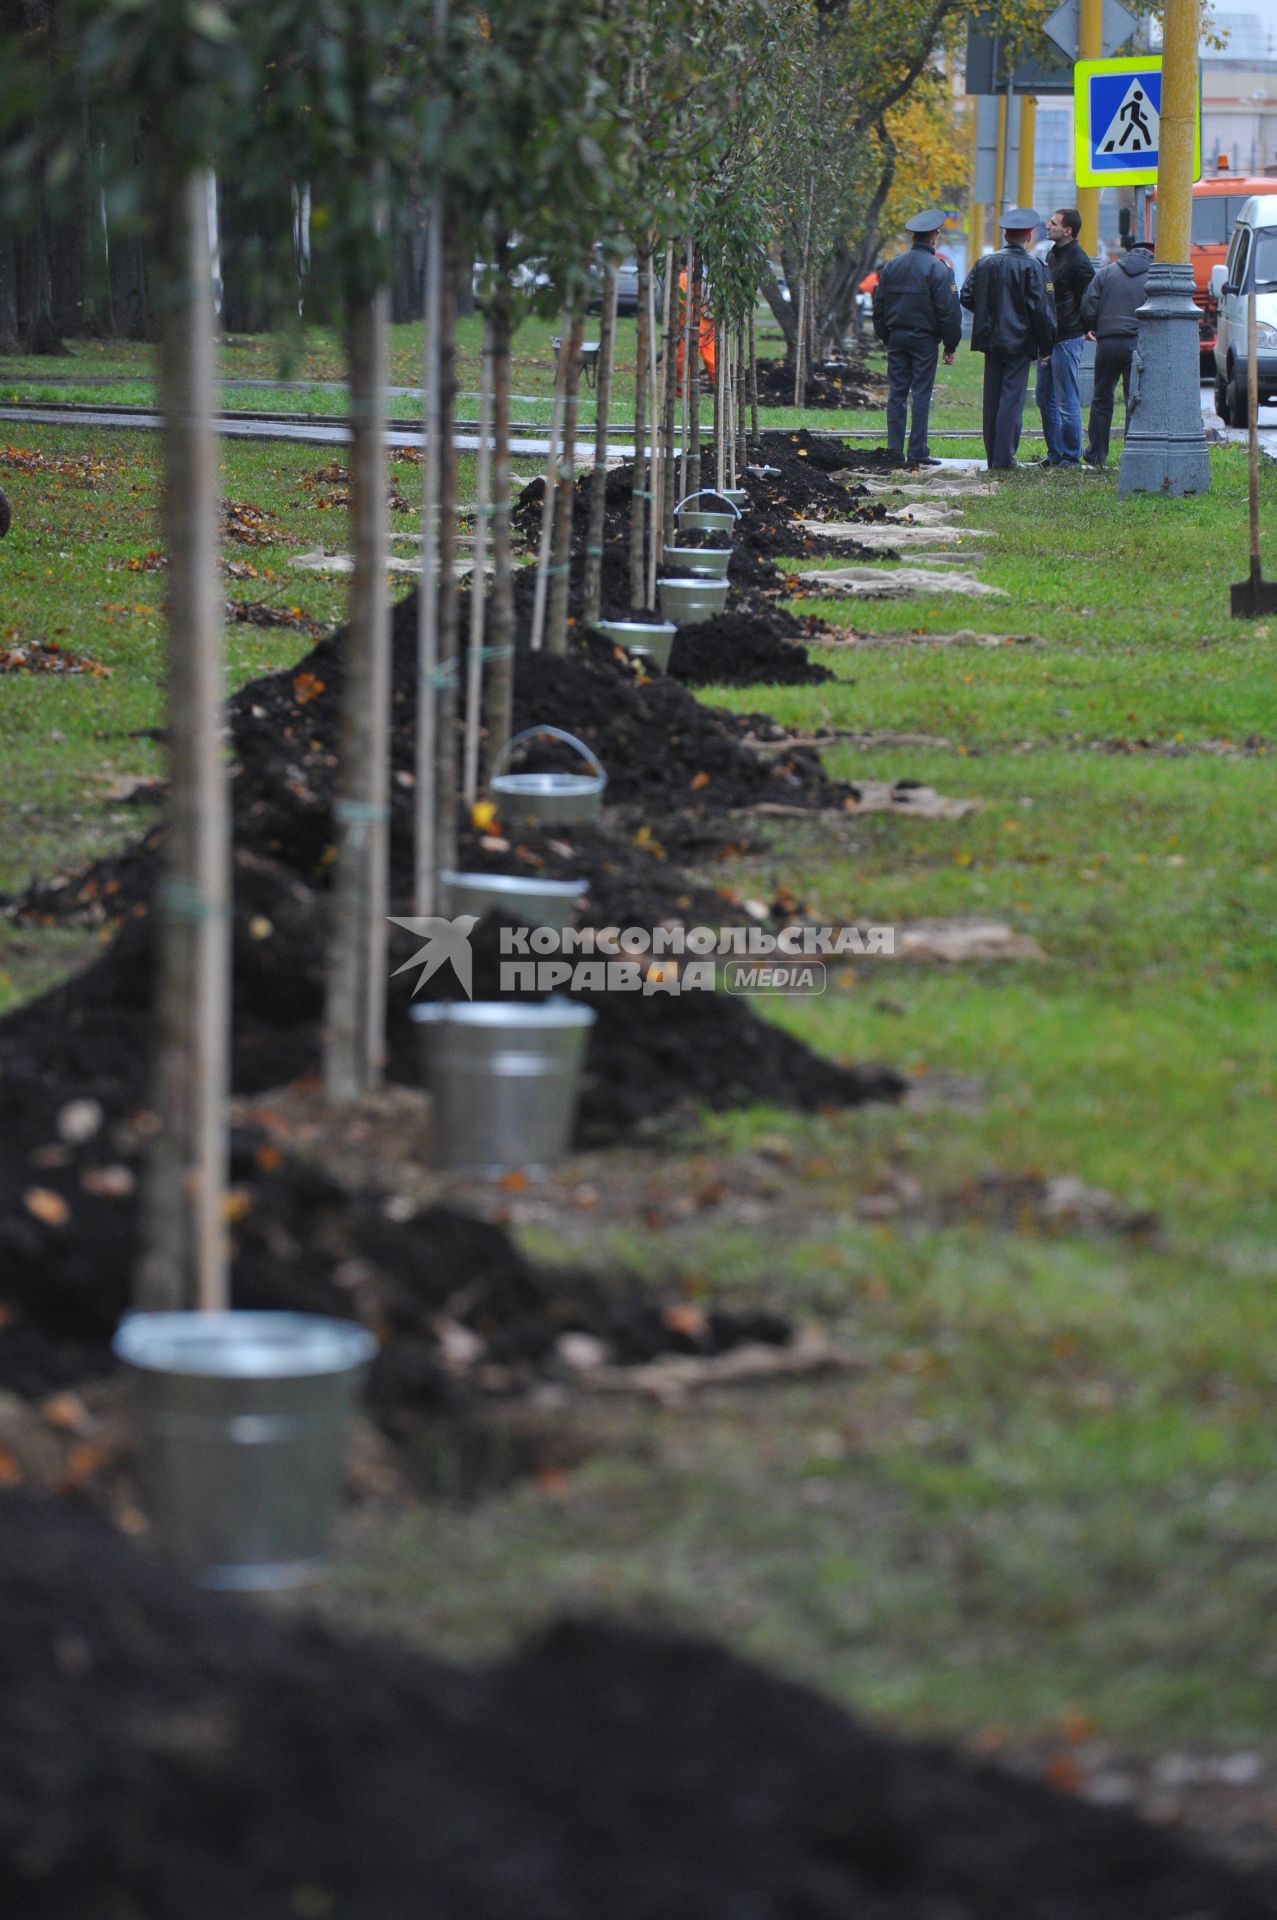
1108,311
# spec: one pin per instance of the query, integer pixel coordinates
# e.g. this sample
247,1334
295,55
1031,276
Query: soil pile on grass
805,489
659,744
168,1752
70,1219
833,383
801,456
740,650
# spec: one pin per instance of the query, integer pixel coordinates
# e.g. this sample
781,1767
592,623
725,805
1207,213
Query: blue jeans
1060,400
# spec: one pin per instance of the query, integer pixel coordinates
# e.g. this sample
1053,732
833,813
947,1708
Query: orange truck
1217,201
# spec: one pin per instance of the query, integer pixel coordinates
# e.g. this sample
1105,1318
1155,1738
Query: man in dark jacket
1071,272
915,313
1109,306
1009,296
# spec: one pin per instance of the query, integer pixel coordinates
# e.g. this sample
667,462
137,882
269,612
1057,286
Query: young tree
844,72
178,70
340,117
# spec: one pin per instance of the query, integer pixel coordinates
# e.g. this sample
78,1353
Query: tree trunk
753,379
638,505
478,579
695,302
424,866
838,293
184,1253
556,619
598,479
685,384
256,229
669,471
130,289
549,500
448,787
500,701
720,372
658,381
355,1005
783,311
8,291
36,331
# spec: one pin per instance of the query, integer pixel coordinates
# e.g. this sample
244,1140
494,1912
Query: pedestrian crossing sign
1117,115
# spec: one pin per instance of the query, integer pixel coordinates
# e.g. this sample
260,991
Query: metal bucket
504,1076
711,561
708,519
241,1421
686,601
738,497
707,522
553,798
709,493
520,901
645,639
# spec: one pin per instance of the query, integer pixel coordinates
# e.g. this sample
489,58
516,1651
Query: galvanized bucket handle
709,493
531,733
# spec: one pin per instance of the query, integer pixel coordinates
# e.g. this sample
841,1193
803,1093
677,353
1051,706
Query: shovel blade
1251,598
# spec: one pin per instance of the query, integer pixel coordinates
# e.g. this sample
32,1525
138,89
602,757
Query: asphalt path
1238,436
320,433
336,433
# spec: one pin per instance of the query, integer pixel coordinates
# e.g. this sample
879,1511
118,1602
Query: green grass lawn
1049,1487
122,373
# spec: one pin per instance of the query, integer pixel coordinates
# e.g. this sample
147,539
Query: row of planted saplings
504,1075
242,1416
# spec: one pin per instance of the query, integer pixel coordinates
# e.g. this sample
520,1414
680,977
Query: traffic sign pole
1028,149
1000,178
1165,447
1090,34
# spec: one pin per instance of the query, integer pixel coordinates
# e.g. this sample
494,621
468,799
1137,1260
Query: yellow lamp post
1028,147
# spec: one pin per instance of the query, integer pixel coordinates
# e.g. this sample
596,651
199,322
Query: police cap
1020,220
929,222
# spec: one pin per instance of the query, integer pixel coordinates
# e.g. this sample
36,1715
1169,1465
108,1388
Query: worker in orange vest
705,332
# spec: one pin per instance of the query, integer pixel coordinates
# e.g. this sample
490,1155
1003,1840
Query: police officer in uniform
1013,312
915,313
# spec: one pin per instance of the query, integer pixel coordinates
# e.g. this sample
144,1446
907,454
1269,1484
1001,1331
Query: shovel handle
1252,408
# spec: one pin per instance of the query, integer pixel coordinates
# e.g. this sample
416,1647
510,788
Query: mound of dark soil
69,1226
800,454
740,650
659,744
164,1752
834,383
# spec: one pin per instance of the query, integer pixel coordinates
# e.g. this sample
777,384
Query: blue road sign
1117,122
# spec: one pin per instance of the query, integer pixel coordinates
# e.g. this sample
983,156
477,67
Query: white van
1252,255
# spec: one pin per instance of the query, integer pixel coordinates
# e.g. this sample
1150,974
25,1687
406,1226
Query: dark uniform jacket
1071,271
915,294
1010,299
1109,303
